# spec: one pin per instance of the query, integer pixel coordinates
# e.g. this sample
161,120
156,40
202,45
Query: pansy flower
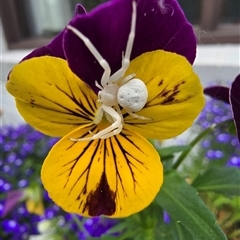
121,75
228,95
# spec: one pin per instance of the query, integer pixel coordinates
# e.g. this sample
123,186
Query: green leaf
171,230
169,151
127,227
180,200
182,233
224,180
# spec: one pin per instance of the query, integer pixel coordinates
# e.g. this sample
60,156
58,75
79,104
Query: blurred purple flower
234,161
166,217
223,137
221,145
231,96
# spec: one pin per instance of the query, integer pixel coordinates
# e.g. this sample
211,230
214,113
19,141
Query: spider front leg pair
106,78
116,90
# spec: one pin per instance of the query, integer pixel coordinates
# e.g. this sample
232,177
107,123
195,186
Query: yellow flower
116,172
119,175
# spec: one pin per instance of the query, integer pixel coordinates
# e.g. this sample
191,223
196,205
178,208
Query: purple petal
79,10
55,48
218,92
159,26
12,199
235,103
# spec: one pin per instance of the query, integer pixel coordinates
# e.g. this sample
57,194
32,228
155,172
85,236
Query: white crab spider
129,92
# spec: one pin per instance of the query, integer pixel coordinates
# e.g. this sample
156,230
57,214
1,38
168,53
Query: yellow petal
35,207
175,95
50,97
34,201
116,177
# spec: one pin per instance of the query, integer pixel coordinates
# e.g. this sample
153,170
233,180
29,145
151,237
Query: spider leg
95,53
120,113
114,132
134,115
126,57
127,78
119,129
98,85
107,132
116,126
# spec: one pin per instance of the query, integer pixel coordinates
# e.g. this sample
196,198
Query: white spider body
128,92
132,95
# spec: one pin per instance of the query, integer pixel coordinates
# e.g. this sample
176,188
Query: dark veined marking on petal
168,93
164,94
75,122
62,123
78,124
85,116
74,161
170,98
128,154
89,104
118,177
32,103
92,104
125,115
157,96
102,200
85,111
87,169
138,124
78,103
160,82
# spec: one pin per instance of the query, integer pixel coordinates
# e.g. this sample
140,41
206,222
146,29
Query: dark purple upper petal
55,47
218,92
160,25
79,10
235,103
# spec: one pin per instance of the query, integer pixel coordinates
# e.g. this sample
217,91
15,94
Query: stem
196,140
192,144
80,225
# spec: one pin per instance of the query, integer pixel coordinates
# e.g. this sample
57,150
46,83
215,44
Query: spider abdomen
133,95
